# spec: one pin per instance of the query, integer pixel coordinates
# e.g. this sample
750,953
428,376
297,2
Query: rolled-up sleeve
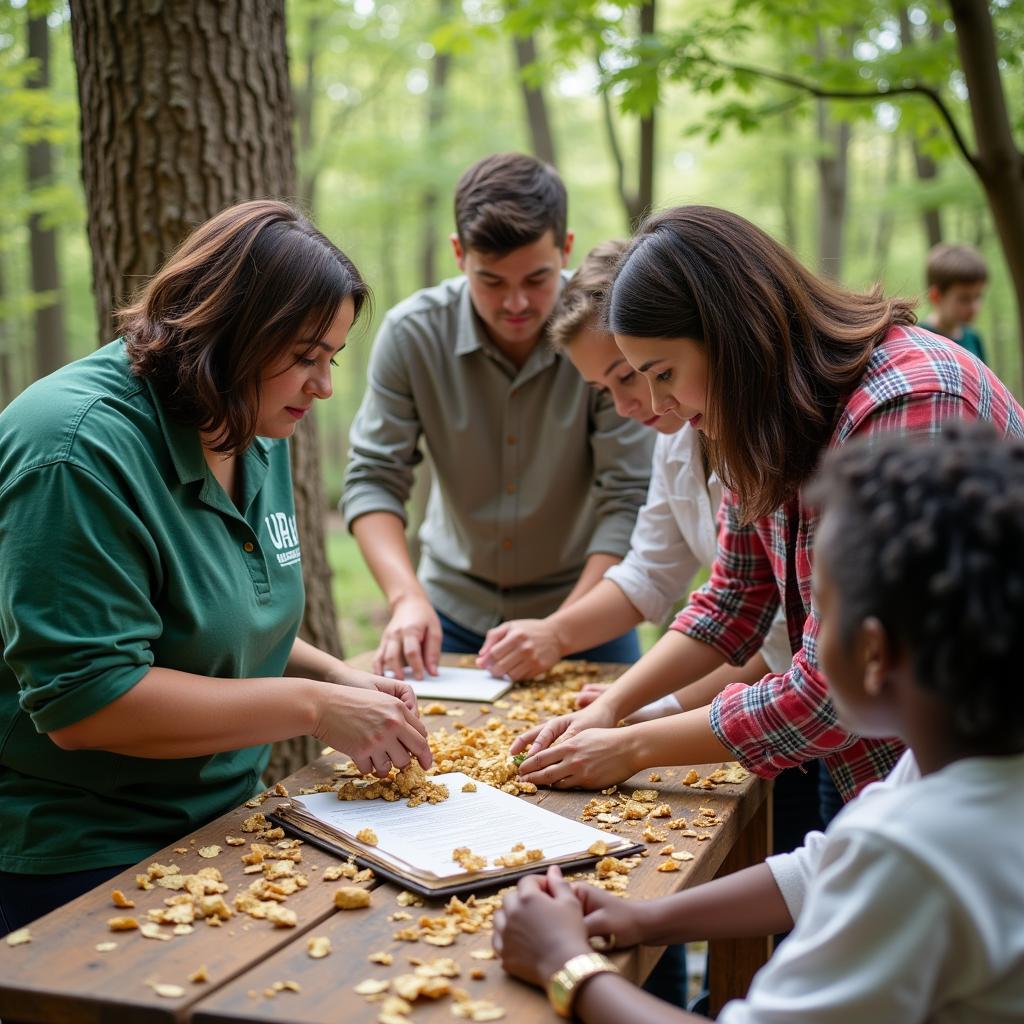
660,564
76,611
621,450
385,434
734,610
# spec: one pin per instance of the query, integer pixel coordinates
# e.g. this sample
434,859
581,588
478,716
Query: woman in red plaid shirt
774,366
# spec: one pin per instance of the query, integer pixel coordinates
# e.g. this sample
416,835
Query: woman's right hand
376,729
540,737
412,638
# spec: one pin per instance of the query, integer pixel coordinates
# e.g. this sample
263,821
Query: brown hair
509,200
240,289
784,347
582,299
955,264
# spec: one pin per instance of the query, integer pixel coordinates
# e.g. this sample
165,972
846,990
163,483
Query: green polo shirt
120,551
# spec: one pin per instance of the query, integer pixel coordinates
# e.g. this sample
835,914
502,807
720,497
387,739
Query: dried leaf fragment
318,946
119,899
19,937
122,924
199,975
372,986
168,991
209,852
351,897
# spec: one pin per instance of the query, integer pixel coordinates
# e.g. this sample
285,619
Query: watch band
565,983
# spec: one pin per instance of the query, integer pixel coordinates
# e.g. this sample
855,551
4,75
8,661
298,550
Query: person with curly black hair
909,908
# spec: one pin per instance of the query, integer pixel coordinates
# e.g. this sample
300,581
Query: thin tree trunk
186,108
50,340
834,140
999,164
787,197
883,239
542,139
304,105
436,104
645,166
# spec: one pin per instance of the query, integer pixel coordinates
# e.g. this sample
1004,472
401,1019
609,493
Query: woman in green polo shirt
150,566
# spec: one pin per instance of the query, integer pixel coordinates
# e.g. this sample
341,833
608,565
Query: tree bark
787,198
883,237
50,340
8,389
999,164
304,105
436,104
834,140
541,137
186,109
645,165
926,168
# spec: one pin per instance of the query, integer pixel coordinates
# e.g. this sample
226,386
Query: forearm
381,539
593,572
745,904
685,738
610,999
704,691
600,615
673,663
172,714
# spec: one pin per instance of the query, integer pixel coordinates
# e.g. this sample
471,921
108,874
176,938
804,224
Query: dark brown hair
784,348
582,299
509,200
955,264
239,290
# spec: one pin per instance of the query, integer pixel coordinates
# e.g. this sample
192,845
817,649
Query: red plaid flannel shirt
914,381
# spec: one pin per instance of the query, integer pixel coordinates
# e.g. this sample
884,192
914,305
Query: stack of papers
415,845
472,684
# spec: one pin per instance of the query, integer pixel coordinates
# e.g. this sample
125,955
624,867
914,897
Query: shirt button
510,488
507,543
511,439
248,547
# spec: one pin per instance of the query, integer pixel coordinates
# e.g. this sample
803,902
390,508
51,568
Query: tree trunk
834,140
186,109
927,169
883,238
999,164
8,389
541,138
645,164
787,198
436,104
50,341
304,105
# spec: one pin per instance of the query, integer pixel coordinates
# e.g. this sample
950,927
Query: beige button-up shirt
533,470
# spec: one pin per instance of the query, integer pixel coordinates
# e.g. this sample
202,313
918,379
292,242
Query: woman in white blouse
675,533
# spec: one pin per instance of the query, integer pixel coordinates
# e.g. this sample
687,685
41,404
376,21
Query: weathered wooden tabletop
60,975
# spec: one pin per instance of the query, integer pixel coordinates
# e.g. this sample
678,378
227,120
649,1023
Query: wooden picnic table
60,975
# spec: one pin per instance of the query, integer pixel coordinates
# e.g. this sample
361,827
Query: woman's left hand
539,927
590,759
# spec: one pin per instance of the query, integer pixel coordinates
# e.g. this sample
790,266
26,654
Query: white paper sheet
459,684
488,821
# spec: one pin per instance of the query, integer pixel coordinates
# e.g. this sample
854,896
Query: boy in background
957,275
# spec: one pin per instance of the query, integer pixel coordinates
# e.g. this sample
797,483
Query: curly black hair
927,535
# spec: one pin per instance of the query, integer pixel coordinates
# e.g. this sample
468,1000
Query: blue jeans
457,639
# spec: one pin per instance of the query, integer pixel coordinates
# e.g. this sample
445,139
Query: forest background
846,129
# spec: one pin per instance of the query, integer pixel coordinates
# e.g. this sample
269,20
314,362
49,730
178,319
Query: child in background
909,908
957,276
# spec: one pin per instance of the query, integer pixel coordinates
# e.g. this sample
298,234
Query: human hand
520,649
588,759
539,927
590,693
376,729
608,916
542,736
412,637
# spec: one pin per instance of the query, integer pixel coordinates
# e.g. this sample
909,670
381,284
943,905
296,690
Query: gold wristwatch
565,983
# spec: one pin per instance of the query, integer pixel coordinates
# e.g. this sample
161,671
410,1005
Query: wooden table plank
327,986
60,976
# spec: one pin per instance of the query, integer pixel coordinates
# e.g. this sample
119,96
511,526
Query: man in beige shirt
537,480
